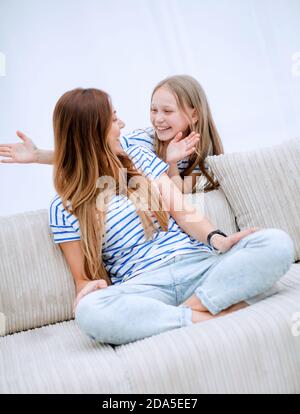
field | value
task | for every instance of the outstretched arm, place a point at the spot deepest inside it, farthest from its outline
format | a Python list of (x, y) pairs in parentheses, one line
[(25, 152)]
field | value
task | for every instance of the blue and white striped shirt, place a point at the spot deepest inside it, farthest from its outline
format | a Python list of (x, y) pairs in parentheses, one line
[(125, 250), (146, 137)]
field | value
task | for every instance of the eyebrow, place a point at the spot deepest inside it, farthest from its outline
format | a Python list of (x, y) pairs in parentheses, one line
[(164, 106)]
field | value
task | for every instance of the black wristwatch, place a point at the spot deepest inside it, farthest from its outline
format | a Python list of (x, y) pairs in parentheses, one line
[(209, 236)]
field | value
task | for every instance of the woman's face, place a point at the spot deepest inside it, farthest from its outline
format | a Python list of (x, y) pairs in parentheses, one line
[(166, 117), (113, 136)]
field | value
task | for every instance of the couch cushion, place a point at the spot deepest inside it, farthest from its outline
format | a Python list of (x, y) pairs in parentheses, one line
[(36, 285), (216, 208), (249, 351), (59, 359), (263, 187)]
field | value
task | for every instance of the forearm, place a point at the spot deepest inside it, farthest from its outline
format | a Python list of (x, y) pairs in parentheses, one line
[(80, 284), (44, 156), (196, 226), (74, 255), (186, 185), (185, 214)]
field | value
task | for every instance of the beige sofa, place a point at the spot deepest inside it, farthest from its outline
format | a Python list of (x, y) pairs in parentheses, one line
[(254, 350)]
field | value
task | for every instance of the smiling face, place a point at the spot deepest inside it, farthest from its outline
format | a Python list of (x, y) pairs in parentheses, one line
[(167, 117), (113, 136)]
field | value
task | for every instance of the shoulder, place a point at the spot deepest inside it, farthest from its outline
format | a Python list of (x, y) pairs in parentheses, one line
[(140, 152), (143, 136), (64, 225), (56, 211)]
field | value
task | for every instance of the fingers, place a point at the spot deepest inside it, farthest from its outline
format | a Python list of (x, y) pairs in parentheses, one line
[(5, 153), (99, 284), (178, 137), (22, 136), (7, 147), (192, 136), (7, 161), (102, 283), (191, 151), (240, 235), (192, 140), (250, 230), (82, 293)]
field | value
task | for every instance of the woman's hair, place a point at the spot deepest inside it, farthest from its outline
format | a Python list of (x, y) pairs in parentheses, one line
[(190, 94), (82, 119)]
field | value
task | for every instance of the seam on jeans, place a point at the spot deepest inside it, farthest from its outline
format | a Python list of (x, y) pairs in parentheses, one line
[(174, 284)]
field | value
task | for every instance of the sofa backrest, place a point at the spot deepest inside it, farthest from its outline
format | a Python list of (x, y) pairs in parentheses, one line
[(36, 284), (263, 187), (216, 208)]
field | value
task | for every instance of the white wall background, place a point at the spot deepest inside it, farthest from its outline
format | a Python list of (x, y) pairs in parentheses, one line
[(244, 52)]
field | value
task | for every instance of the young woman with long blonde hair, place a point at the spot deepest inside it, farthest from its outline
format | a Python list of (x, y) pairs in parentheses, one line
[(142, 265)]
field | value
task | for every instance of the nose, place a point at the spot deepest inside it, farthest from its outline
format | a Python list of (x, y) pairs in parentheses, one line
[(121, 123), (159, 118)]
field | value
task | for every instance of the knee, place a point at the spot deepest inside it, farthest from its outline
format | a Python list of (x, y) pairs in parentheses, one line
[(83, 313), (88, 317), (279, 245), (96, 317)]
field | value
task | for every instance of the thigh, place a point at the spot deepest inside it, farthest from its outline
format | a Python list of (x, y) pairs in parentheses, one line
[(156, 283)]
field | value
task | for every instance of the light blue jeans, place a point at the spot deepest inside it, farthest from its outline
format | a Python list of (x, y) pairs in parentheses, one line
[(149, 303)]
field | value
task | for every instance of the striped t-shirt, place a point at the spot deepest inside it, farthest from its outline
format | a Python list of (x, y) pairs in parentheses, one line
[(125, 250), (146, 137)]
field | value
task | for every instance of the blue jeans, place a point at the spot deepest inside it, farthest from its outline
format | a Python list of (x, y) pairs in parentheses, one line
[(149, 303)]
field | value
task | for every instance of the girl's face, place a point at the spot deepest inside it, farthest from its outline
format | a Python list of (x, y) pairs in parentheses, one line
[(166, 117), (113, 136)]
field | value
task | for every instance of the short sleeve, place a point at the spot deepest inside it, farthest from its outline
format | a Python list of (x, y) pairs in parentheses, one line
[(64, 225), (139, 137), (146, 161)]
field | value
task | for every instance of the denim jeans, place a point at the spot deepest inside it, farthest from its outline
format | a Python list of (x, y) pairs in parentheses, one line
[(149, 303)]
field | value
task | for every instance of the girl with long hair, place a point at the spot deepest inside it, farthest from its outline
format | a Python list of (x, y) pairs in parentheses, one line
[(143, 260)]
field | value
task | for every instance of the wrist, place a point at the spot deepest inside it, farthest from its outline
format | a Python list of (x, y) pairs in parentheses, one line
[(37, 155), (173, 168), (80, 285), (215, 239)]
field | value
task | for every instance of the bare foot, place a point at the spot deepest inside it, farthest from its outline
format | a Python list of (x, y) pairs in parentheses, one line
[(195, 304), (201, 316)]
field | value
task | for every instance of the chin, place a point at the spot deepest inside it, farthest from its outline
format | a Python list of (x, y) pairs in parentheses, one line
[(164, 137)]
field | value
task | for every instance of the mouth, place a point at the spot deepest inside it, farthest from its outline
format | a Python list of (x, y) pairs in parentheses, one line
[(162, 129)]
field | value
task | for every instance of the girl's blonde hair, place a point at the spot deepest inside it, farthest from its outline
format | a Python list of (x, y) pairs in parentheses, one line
[(190, 94), (82, 119)]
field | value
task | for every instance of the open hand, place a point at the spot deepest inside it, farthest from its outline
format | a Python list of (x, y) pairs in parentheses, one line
[(21, 152), (179, 148), (225, 243)]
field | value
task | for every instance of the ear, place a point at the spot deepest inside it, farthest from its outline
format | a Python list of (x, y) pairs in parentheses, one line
[(194, 116)]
